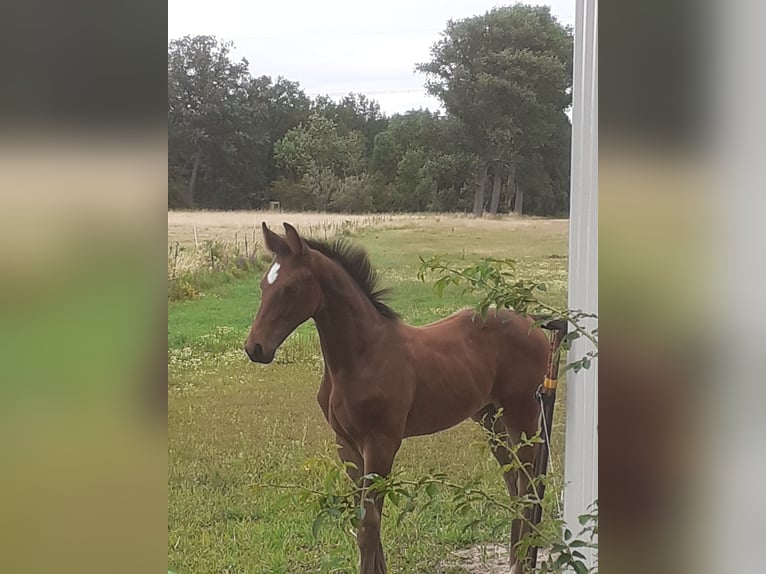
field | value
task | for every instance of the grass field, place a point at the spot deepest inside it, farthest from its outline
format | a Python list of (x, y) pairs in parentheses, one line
[(234, 425)]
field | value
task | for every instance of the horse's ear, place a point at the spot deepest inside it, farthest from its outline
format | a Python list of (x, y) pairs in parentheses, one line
[(296, 243), (274, 242)]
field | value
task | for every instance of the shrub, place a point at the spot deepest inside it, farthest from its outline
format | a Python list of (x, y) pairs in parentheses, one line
[(215, 263), (355, 195)]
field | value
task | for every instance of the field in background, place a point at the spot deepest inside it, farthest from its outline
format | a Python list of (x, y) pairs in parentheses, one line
[(225, 225), (233, 425)]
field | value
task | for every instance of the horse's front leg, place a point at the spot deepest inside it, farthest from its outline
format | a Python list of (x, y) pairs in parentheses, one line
[(378, 459)]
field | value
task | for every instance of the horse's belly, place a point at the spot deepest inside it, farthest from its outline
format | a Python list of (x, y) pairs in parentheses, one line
[(453, 381), (439, 412)]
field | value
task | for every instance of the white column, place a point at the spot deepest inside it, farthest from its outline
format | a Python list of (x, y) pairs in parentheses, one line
[(581, 460)]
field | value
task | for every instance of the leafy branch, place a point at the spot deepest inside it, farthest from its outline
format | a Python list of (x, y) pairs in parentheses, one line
[(496, 283), (341, 504)]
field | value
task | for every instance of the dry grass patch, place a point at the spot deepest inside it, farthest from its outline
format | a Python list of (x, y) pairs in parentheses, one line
[(226, 225)]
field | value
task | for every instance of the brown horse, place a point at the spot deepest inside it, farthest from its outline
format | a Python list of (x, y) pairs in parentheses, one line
[(385, 380)]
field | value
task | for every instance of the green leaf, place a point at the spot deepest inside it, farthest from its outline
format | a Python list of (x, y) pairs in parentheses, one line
[(316, 525)]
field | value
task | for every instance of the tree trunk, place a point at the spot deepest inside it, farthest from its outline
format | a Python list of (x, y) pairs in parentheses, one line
[(193, 179), (478, 198), (518, 205), (505, 192), (497, 181), (510, 185)]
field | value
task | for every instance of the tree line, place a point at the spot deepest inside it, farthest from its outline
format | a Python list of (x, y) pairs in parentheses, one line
[(237, 141)]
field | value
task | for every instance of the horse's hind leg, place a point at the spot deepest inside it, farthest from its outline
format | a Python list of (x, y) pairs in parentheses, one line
[(523, 418), (501, 441), (492, 422)]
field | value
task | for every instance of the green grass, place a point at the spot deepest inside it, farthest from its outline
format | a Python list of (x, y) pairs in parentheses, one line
[(233, 425)]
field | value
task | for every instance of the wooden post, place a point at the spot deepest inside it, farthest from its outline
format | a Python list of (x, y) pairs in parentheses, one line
[(547, 395)]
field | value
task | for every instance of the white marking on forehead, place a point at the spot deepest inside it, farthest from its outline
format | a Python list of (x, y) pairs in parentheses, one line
[(273, 273)]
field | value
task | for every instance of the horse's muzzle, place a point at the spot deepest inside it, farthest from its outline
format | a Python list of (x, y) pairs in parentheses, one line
[(257, 355)]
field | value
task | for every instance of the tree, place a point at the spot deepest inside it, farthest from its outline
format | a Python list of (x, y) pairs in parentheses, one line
[(236, 141), (542, 182), (207, 93), (318, 156), (278, 106), (506, 75), (355, 112), (222, 125), (422, 157)]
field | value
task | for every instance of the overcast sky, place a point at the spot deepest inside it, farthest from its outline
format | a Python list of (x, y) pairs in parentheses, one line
[(335, 47)]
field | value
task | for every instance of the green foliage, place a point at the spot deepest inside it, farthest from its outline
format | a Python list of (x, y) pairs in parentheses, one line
[(356, 195), (212, 264), (327, 164), (339, 505), (225, 122), (354, 113), (182, 289), (566, 552), (319, 145), (495, 283), (238, 141), (292, 195), (544, 173), (422, 156), (506, 75)]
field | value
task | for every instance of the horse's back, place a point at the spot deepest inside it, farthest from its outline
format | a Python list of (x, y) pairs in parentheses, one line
[(501, 330), (469, 361)]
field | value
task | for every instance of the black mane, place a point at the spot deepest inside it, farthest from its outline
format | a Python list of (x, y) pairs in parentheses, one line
[(356, 262)]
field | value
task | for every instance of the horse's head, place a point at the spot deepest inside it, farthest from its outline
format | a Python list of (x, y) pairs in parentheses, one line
[(290, 294)]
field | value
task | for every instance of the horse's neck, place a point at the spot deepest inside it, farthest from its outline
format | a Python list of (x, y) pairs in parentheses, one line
[(347, 321)]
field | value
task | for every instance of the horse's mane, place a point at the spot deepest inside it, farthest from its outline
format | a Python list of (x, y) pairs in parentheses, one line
[(356, 262)]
